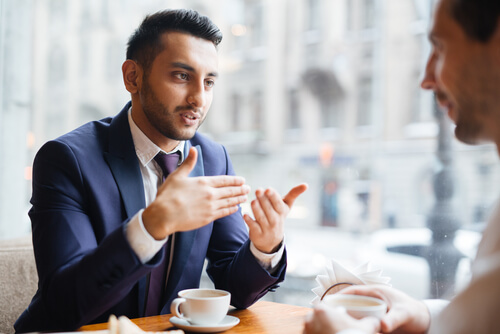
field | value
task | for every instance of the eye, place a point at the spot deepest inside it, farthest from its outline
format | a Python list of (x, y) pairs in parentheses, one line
[(437, 47), (182, 76), (209, 83)]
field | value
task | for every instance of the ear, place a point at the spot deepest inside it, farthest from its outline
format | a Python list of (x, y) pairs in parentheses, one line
[(496, 32), (494, 42), (132, 76)]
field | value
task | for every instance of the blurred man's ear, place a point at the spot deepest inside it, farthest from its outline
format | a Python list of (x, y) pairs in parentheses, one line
[(132, 76), (495, 39)]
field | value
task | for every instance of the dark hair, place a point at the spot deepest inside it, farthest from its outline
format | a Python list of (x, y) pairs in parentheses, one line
[(145, 43), (478, 18)]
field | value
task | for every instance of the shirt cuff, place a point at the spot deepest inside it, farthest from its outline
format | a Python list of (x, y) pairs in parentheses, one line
[(143, 244), (435, 306), (268, 261), (351, 331)]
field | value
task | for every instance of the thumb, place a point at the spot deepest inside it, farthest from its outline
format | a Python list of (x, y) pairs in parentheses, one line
[(188, 164), (372, 324), (292, 195), (393, 319)]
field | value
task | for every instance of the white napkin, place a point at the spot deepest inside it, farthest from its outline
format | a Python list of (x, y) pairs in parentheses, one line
[(363, 274), (123, 325)]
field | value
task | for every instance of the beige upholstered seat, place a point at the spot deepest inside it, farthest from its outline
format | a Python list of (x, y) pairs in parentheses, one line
[(18, 280)]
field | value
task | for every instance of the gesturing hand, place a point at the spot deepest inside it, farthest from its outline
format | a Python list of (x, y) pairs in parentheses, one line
[(185, 203), (266, 231)]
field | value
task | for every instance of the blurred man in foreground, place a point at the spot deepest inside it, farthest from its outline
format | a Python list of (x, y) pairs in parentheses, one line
[(463, 70)]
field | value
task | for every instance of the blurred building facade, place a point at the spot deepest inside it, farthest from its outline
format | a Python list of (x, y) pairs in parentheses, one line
[(327, 91)]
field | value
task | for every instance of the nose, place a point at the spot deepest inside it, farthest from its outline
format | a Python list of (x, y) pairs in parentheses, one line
[(196, 96), (429, 80)]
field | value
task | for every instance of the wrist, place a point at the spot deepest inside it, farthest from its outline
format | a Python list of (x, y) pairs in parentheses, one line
[(153, 223), (277, 247)]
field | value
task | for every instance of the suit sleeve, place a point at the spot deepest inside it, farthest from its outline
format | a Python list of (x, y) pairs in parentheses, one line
[(83, 270), (232, 266)]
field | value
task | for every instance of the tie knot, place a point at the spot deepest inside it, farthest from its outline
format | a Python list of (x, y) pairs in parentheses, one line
[(167, 162)]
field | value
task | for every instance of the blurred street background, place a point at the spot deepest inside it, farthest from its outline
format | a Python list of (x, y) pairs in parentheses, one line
[(318, 91)]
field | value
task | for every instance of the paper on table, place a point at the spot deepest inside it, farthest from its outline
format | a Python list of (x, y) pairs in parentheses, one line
[(123, 325), (363, 274)]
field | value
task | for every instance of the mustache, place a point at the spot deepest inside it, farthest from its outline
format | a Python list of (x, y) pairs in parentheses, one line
[(188, 108), (440, 96)]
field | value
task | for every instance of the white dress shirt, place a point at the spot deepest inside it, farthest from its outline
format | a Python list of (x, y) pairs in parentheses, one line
[(143, 244)]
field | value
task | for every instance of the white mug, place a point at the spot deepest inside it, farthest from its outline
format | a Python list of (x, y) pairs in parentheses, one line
[(201, 306), (357, 306)]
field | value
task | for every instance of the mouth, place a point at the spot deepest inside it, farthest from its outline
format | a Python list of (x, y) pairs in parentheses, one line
[(447, 105), (443, 100), (190, 117)]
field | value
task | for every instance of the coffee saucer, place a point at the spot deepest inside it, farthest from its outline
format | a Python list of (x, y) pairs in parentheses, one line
[(228, 322)]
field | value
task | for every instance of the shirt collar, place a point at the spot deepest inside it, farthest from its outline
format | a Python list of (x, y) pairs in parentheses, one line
[(145, 149)]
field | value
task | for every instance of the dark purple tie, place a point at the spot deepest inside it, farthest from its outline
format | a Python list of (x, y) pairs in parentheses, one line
[(168, 163)]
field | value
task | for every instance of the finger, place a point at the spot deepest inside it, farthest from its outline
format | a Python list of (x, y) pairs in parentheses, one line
[(221, 181), (309, 316), (252, 224), (224, 212), (372, 324), (230, 191), (267, 207), (363, 290), (188, 164), (292, 195), (258, 212), (394, 319), (276, 201), (229, 202), (308, 321)]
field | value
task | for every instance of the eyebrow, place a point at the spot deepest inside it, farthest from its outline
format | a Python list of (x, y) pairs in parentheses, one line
[(191, 69)]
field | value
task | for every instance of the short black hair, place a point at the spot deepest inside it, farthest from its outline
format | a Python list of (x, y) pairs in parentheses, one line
[(478, 18), (145, 43)]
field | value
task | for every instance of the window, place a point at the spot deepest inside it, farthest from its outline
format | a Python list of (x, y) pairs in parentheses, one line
[(362, 204), (314, 18), (368, 15), (293, 107), (329, 114), (361, 14), (255, 22), (235, 111), (258, 117), (365, 102)]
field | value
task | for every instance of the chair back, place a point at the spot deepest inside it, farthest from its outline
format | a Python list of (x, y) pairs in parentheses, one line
[(18, 280)]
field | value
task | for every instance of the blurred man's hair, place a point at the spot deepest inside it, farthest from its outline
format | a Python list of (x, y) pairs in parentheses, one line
[(145, 43), (478, 18)]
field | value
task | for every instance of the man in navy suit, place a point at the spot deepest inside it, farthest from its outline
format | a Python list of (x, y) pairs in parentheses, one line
[(103, 218)]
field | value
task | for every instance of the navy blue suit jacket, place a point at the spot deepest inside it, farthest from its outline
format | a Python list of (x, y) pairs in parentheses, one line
[(86, 185)]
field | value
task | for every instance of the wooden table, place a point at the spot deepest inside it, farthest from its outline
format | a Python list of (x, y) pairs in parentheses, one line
[(262, 317)]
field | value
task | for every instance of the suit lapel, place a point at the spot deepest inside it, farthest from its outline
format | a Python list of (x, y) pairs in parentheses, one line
[(124, 165), (123, 162)]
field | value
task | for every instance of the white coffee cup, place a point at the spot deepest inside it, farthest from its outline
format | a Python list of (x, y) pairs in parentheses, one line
[(357, 306), (201, 306)]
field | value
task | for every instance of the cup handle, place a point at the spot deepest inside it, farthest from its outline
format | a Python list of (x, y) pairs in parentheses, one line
[(175, 308)]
